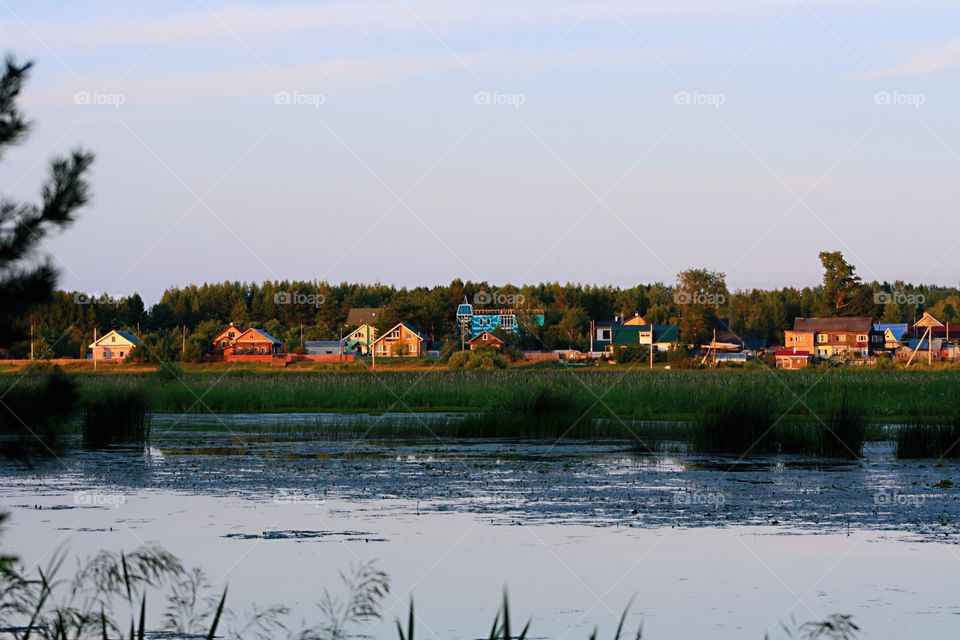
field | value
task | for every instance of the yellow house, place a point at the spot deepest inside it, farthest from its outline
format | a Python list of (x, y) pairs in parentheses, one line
[(360, 339), (400, 341), (114, 346)]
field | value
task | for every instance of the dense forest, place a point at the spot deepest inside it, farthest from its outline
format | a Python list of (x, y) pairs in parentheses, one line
[(182, 323)]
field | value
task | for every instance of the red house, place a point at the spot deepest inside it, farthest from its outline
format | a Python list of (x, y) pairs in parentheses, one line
[(485, 339)]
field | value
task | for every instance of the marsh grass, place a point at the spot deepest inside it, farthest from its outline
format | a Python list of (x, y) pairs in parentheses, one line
[(739, 423), (929, 439), (124, 417), (889, 396), (843, 431), (35, 412)]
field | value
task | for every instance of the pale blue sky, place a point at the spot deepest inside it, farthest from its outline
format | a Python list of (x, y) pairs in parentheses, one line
[(592, 170)]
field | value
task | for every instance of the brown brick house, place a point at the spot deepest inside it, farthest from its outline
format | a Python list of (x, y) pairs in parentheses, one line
[(833, 337)]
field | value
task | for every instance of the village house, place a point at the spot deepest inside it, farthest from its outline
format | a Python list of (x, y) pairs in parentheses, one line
[(114, 346), (324, 347), (608, 335), (255, 341), (223, 341), (359, 340), (400, 341), (473, 321), (485, 339), (890, 335), (792, 359), (833, 337)]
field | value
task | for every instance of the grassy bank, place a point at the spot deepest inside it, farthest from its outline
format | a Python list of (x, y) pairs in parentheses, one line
[(884, 396)]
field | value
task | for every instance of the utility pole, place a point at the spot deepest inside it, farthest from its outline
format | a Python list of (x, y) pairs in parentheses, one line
[(31, 337), (94, 348), (652, 342), (183, 345)]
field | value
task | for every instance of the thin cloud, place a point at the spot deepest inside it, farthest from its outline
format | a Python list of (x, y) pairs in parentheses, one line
[(945, 57), (210, 21)]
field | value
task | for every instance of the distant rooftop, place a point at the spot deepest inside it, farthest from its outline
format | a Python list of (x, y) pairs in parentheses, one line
[(364, 315)]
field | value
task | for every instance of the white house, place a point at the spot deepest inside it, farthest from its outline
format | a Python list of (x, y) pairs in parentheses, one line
[(114, 346)]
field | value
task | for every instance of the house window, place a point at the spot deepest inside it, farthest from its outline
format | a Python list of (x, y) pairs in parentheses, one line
[(822, 337), (113, 338), (862, 338), (484, 337), (842, 338), (121, 354)]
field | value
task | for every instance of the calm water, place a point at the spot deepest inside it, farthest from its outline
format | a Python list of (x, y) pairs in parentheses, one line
[(704, 548)]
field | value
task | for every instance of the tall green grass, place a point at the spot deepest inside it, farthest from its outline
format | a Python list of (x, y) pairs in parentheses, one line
[(929, 439), (843, 431), (889, 396), (123, 418), (739, 423), (35, 411)]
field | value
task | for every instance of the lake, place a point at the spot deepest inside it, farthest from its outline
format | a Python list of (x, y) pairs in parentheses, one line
[(704, 547)]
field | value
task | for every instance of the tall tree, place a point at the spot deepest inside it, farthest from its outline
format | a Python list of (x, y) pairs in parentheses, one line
[(699, 294), (23, 282), (841, 284)]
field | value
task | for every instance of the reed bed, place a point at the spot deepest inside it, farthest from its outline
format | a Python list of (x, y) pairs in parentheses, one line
[(890, 396), (929, 439), (122, 418)]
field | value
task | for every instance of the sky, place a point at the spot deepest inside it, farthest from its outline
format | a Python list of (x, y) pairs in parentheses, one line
[(413, 142)]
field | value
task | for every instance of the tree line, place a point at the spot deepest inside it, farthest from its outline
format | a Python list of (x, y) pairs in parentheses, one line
[(183, 322)]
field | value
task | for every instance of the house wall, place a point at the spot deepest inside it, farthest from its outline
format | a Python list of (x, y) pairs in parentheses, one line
[(799, 340), (389, 346), (115, 352), (262, 346), (792, 362), (325, 350), (841, 343)]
